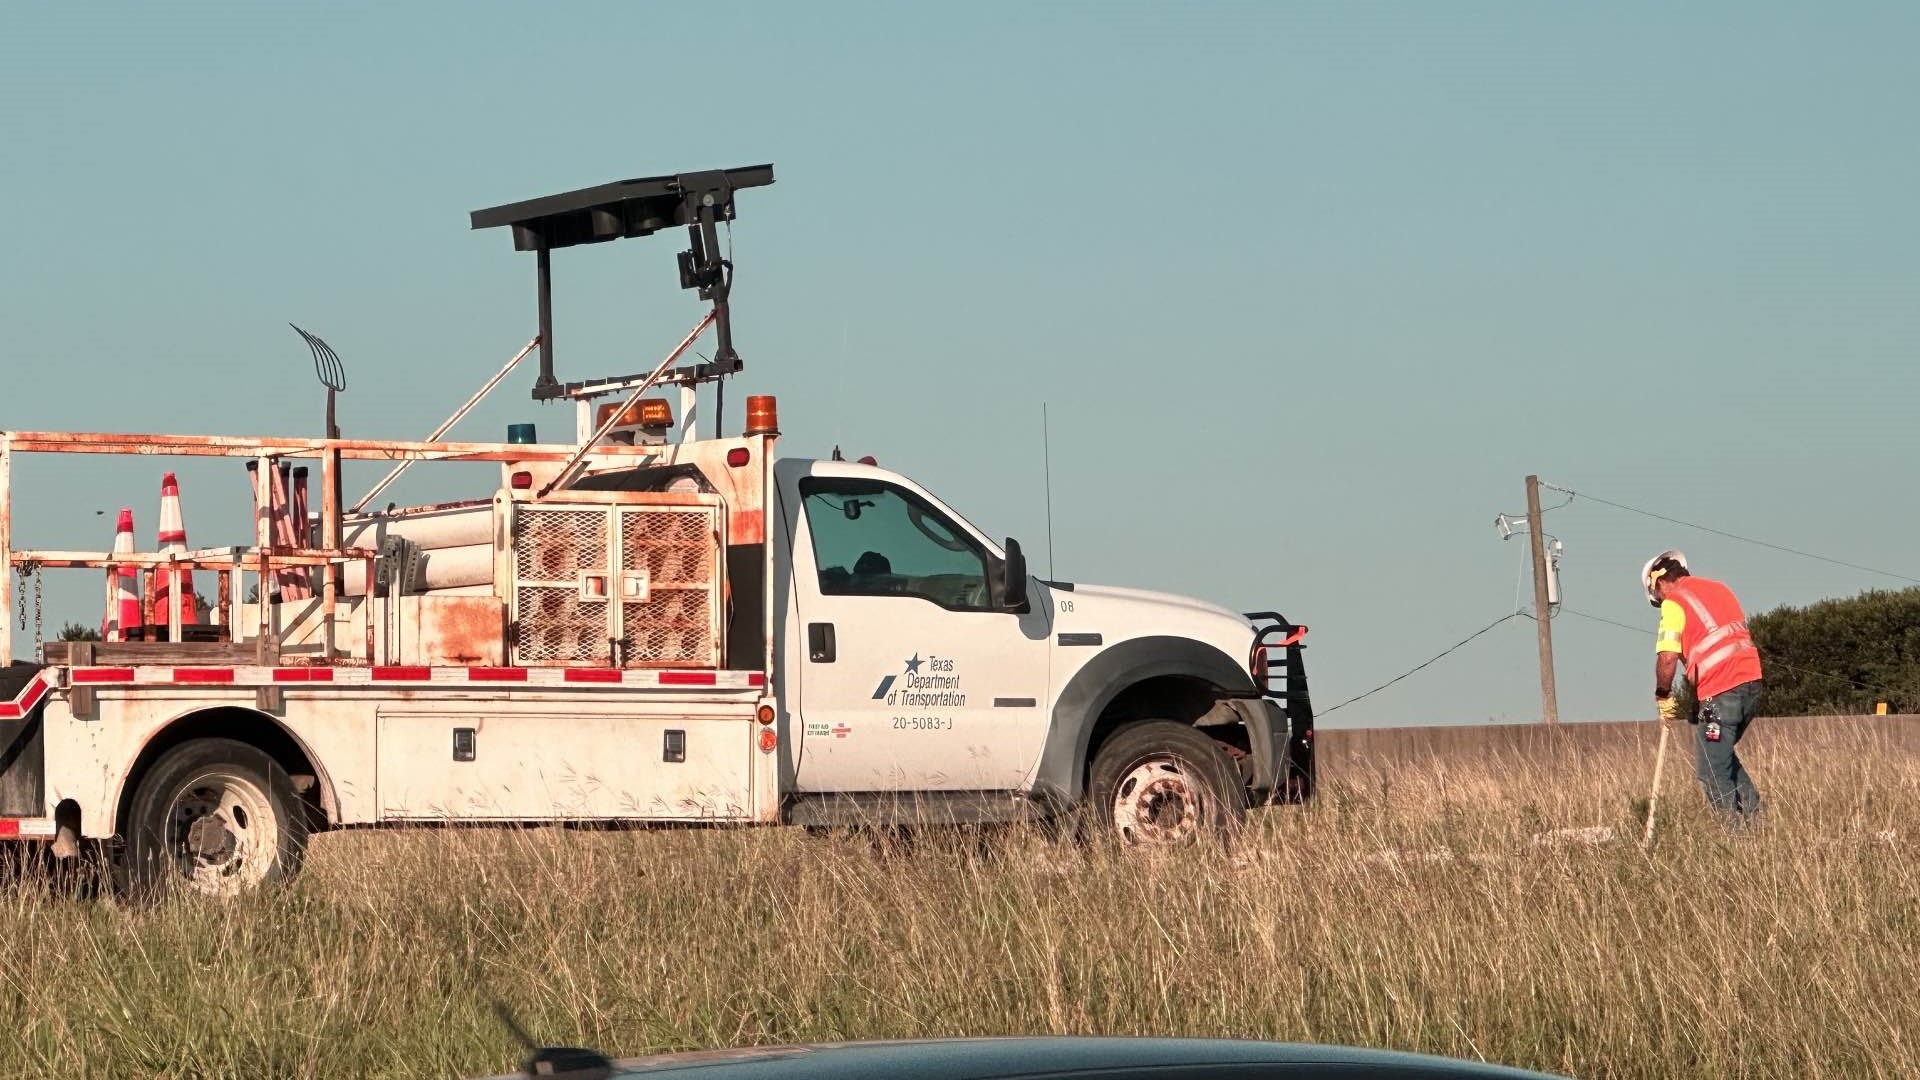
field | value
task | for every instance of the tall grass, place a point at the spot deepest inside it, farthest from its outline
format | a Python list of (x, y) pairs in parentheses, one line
[(1433, 911)]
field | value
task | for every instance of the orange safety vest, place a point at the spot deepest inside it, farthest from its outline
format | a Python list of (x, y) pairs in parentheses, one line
[(1719, 652)]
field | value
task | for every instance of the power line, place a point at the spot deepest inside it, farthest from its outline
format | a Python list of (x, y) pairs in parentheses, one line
[(1429, 662), (1572, 494), (1850, 680), (1598, 619)]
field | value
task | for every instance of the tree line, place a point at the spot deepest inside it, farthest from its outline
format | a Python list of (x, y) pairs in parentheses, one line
[(1841, 656)]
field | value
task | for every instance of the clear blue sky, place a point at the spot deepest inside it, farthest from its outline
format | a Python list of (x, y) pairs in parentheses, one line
[(1309, 289)]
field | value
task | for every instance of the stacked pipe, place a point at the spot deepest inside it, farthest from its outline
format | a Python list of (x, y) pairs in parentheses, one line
[(457, 542)]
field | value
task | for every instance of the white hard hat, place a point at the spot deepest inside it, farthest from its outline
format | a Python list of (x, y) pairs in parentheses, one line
[(1646, 572)]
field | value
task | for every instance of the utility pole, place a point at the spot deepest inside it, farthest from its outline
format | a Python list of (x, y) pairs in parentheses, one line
[(1542, 613)]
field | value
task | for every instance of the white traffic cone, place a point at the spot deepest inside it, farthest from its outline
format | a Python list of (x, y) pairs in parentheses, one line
[(173, 538), (123, 604)]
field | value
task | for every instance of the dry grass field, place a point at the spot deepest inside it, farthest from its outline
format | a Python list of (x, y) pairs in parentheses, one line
[(1431, 908)]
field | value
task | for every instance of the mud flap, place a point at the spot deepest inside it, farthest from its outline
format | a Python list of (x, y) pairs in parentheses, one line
[(22, 767), (1266, 728)]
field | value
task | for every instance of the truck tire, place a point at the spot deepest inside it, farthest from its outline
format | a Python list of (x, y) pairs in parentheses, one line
[(1162, 784), (215, 817)]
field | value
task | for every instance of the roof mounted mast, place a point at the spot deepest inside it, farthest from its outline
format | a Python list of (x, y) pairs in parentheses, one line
[(701, 201)]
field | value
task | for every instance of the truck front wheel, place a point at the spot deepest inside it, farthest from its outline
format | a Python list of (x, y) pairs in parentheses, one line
[(215, 816), (1161, 784)]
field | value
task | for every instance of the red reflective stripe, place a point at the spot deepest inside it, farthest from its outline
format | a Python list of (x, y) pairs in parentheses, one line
[(196, 676), (756, 679), (592, 675), (402, 674), (497, 674), (102, 675), (24, 704), (688, 678), (292, 674), (9, 828)]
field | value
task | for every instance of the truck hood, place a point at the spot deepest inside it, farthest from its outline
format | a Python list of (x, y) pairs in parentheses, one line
[(1119, 613)]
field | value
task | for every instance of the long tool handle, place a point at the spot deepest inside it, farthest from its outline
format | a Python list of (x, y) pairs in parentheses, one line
[(1653, 796)]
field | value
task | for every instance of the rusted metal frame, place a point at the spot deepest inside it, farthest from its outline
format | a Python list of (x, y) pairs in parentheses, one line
[(368, 608), (591, 445), (263, 540), (174, 603), (616, 602), (235, 446), (223, 613), (330, 539), (221, 559), (113, 592), (769, 560), (717, 605), (638, 498), (458, 414), (6, 549)]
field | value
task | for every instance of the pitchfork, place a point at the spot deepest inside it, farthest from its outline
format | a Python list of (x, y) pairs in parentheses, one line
[(332, 374)]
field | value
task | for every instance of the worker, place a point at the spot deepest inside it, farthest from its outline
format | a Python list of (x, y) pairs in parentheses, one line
[(1702, 624)]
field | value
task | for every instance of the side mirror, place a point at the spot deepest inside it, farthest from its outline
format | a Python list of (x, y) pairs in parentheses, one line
[(1013, 587)]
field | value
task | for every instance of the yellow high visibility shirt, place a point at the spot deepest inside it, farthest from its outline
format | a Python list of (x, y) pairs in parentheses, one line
[(1673, 622)]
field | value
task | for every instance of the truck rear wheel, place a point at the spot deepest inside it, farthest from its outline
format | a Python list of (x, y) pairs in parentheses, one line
[(215, 817), (1163, 784)]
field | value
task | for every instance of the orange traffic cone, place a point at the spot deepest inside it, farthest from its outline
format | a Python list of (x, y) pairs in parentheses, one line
[(173, 538), (123, 602)]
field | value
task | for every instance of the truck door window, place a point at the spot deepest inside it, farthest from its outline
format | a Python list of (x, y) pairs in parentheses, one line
[(873, 539)]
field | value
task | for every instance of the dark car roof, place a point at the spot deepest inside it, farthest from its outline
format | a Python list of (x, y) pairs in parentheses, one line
[(1001, 1059)]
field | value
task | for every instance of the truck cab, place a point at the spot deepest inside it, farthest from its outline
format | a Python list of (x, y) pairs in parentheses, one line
[(918, 654)]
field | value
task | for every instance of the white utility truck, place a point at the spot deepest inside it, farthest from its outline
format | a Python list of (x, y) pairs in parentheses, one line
[(641, 624)]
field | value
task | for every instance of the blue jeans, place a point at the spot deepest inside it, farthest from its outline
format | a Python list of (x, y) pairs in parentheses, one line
[(1725, 780)]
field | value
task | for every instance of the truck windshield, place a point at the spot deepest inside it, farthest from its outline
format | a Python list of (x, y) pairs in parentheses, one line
[(873, 539)]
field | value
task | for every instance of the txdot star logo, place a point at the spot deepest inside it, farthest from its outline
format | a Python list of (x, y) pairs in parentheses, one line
[(912, 668)]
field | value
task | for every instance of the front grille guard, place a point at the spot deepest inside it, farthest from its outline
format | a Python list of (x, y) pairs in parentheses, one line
[(1278, 641)]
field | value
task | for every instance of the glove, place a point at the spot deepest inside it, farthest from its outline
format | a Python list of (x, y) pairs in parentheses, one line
[(1669, 709)]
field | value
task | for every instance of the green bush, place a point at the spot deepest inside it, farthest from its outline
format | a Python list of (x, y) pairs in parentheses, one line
[(1841, 656)]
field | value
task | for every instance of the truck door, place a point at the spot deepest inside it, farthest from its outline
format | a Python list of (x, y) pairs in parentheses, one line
[(910, 677)]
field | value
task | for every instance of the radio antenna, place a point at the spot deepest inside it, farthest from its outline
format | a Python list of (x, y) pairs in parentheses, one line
[(1046, 468)]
